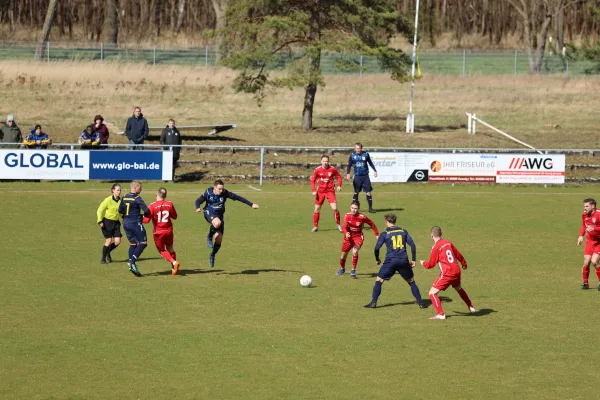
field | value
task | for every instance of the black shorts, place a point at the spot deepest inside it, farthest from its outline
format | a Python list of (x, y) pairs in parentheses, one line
[(389, 268), (362, 182), (111, 229), (209, 216), (136, 233)]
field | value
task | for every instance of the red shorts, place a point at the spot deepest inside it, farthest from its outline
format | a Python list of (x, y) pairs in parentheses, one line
[(321, 196), (444, 282), (591, 247), (163, 239), (348, 244)]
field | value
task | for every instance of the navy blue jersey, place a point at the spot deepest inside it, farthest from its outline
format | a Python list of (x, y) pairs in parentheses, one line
[(361, 163), (396, 239), (133, 209), (216, 203)]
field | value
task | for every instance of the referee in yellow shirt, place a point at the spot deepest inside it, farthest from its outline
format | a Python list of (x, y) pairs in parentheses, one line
[(109, 221)]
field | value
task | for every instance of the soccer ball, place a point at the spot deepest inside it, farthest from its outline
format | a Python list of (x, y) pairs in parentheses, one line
[(306, 281)]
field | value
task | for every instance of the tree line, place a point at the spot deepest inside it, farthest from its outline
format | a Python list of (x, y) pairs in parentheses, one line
[(113, 21)]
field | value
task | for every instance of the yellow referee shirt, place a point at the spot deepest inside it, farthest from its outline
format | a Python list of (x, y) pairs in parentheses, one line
[(108, 209)]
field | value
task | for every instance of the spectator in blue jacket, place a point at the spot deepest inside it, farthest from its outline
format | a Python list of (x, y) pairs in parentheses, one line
[(137, 129), (89, 139), (37, 139)]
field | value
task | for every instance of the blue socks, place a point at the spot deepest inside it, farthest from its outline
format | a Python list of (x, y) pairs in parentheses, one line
[(216, 248), (138, 250), (370, 201), (131, 251), (377, 291), (355, 197), (415, 291)]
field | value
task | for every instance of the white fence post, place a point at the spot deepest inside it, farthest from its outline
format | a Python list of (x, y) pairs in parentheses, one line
[(262, 161)]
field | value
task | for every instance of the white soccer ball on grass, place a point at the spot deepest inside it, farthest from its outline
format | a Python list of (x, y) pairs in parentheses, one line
[(306, 281)]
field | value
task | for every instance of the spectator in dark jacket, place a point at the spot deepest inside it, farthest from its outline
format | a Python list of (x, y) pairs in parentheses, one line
[(102, 131), (37, 139), (89, 138), (137, 129), (10, 133), (170, 136)]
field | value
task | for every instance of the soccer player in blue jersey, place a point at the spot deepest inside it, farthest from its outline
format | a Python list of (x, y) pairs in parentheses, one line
[(214, 210), (133, 209), (396, 259), (361, 160)]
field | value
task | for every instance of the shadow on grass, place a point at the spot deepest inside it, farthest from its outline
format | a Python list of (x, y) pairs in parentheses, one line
[(184, 272), (380, 210), (141, 260), (478, 313), (369, 118), (435, 128), (190, 176), (257, 271), (427, 302)]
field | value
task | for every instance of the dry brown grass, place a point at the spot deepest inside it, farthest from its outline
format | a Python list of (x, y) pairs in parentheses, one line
[(547, 112)]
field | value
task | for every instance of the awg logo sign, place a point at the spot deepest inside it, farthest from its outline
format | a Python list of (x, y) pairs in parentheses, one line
[(531, 163)]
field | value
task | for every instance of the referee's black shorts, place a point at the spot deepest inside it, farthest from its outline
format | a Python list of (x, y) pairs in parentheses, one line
[(111, 229)]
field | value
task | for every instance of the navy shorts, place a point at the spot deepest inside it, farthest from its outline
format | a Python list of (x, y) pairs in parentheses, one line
[(209, 216), (389, 268), (136, 233), (362, 182)]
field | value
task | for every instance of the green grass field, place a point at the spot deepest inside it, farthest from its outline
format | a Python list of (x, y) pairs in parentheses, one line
[(74, 329)]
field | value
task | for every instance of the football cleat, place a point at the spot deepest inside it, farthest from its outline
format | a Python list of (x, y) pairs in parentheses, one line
[(353, 273), (372, 304), (341, 271), (339, 227), (134, 270), (211, 260), (438, 316), (472, 309), (209, 241), (314, 229), (599, 287), (102, 262), (422, 305), (175, 269), (372, 211), (585, 286)]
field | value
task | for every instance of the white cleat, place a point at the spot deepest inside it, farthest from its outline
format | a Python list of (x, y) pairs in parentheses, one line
[(438, 316), (339, 228), (314, 229), (472, 309)]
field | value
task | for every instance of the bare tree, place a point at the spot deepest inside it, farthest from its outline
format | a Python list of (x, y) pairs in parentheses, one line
[(111, 22), (50, 13), (180, 15)]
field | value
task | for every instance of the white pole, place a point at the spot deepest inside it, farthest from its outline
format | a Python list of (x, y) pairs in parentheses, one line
[(262, 161), (410, 119)]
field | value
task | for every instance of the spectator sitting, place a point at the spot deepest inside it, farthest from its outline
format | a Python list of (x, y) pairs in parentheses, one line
[(102, 130), (171, 136), (89, 139), (10, 133), (37, 139)]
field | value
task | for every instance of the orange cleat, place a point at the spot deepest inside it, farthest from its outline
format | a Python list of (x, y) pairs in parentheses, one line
[(175, 269)]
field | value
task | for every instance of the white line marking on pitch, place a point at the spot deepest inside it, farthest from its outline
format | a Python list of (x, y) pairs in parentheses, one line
[(256, 189)]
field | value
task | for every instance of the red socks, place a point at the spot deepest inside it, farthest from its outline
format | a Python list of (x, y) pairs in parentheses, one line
[(435, 301), (465, 297), (316, 219), (342, 263), (585, 272), (354, 261), (598, 273), (167, 256), (337, 217), (174, 255)]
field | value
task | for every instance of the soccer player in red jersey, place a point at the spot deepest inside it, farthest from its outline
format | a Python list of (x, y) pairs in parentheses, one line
[(162, 212), (590, 228), (447, 257), (324, 176), (352, 228)]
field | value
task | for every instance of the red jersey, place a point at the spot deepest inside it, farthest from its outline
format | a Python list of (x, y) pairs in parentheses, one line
[(447, 256), (593, 220), (325, 179), (355, 223), (161, 213)]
